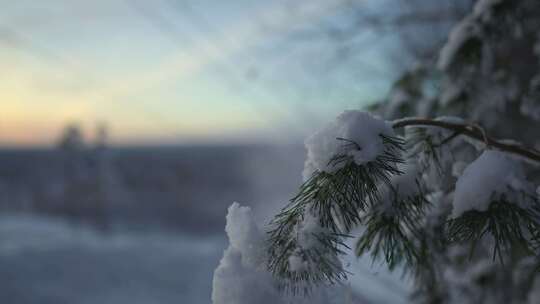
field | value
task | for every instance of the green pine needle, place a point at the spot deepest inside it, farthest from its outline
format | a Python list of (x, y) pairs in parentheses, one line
[(509, 225), (392, 232), (336, 200)]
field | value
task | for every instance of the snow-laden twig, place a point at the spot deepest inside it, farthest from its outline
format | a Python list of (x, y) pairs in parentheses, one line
[(472, 131)]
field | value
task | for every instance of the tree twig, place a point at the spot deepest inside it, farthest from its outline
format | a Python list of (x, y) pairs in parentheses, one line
[(472, 131)]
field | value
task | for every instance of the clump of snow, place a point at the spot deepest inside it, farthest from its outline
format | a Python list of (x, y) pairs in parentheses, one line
[(245, 237), (359, 127), (297, 263), (308, 233), (461, 33), (242, 276), (488, 177)]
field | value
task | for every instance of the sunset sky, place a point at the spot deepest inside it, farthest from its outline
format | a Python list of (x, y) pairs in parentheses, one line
[(171, 71)]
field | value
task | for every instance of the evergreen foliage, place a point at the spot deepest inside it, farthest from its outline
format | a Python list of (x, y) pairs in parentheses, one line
[(335, 198), (487, 73)]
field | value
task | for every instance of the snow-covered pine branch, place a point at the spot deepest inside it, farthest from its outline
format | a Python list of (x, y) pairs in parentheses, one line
[(473, 131), (452, 203), (348, 163), (359, 173)]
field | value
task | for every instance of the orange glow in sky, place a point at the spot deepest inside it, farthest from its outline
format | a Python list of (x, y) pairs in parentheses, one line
[(152, 72)]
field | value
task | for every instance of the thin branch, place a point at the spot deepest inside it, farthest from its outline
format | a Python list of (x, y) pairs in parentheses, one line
[(449, 138), (472, 131)]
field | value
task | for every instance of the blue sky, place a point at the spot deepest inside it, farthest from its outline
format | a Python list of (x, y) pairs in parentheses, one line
[(169, 71)]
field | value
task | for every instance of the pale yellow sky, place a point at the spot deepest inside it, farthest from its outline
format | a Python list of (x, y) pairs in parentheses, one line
[(113, 61)]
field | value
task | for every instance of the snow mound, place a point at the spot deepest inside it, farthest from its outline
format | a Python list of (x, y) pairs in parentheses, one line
[(350, 128), (490, 176), (242, 277)]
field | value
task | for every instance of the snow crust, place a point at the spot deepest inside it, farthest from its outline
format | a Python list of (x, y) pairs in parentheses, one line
[(360, 127), (488, 177)]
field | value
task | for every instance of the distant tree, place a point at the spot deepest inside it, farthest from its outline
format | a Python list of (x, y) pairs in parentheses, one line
[(72, 138), (87, 175), (102, 136)]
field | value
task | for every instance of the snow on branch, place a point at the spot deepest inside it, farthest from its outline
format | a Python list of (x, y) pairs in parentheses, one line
[(241, 276), (493, 197), (349, 163), (359, 172), (472, 131)]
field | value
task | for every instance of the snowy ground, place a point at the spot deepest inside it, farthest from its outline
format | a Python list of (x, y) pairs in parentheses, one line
[(172, 228), (50, 261)]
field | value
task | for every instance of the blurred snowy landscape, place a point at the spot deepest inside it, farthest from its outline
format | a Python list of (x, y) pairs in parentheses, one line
[(49, 261), (155, 233), (145, 147)]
